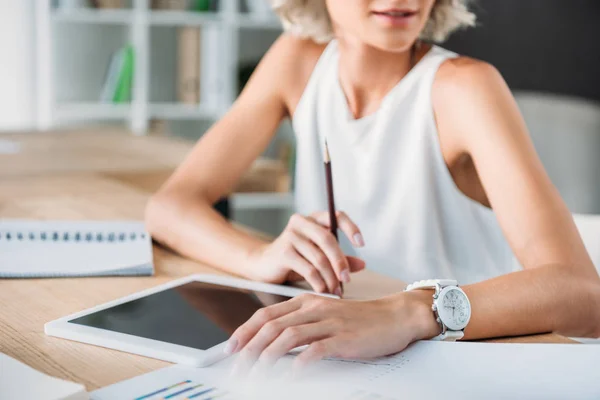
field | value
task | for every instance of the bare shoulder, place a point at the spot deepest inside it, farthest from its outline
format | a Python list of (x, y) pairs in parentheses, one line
[(467, 93), (298, 56), (292, 61), (465, 76)]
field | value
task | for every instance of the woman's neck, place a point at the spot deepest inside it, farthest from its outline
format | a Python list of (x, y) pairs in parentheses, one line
[(367, 74)]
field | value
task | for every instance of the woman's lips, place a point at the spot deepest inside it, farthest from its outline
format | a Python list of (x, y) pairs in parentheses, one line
[(395, 17)]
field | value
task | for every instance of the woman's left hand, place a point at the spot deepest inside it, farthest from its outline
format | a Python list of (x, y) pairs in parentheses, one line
[(333, 328)]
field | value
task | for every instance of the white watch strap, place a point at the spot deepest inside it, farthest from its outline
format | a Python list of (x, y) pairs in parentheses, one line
[(431, 283), (449, 336)]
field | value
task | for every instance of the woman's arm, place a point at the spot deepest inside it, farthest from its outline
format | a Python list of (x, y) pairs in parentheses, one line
[(181, 215), (558, 290)]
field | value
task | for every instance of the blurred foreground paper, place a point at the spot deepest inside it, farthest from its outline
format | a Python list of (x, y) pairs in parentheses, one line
[(425, 370), (20, 381)]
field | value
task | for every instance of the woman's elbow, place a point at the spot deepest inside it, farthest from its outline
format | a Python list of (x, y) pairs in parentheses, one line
[(589, 318), (157, 215), (595, 300), (591, 283)]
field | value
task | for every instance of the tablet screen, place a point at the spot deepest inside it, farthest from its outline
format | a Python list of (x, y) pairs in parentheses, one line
[(197, 314)]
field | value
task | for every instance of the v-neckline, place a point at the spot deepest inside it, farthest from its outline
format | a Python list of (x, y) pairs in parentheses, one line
[(367, 119)]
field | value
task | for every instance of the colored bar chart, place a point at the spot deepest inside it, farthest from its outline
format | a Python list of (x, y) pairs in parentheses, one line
[(185, 390), (159, 391)]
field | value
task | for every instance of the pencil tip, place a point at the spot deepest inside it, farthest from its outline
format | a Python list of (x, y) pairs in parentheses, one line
[(327, 158)]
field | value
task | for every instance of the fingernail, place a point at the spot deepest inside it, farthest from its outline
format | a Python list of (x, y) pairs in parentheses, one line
[(338, 291), (345, 275), (230, 346), (358, 240)]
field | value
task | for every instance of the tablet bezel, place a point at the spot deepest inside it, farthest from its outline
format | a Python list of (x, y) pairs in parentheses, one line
[(62, 328)]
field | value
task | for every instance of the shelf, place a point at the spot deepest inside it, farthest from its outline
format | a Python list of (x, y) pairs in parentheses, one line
[(220, 43), (256, 201), (181, 111), (162, 18), (182, 18), (248, 21), (80, 111), (93, 16)]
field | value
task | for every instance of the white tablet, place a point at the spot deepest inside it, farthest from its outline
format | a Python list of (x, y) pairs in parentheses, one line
[(185, 321)]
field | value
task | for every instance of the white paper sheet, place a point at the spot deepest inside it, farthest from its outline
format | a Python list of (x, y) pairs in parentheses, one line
[(481, 371), (426, 370), (20, 381)]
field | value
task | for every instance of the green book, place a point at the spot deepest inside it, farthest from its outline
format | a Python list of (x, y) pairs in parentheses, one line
[(125, 81), (201, 5)]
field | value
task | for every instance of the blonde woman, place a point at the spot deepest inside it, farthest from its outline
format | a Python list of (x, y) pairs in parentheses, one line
[(435, 173)]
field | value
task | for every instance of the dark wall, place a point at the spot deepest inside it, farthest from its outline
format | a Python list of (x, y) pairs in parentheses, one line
[(541, 45)]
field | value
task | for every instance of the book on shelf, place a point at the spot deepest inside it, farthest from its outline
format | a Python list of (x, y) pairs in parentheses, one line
[(68, 5), (125, 82), (170, 4), (112, 76), (188, 65), (212, 76), (214, 5), (118, 81), (191, 5), (109, 3)]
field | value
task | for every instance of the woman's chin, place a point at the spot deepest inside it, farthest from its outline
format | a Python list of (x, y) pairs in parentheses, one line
[(395, 43)]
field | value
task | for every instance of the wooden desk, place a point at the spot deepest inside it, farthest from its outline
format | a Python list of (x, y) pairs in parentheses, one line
[(91, 151), (25, 305)]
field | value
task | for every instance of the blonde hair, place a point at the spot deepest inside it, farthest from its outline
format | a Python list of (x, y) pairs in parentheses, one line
[(310, 19)]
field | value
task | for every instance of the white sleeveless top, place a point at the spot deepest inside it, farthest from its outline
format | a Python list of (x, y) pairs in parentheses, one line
[(391, 179)]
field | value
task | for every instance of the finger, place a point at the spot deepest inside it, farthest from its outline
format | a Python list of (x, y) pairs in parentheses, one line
[(269, 333), (345, 224), (319, 260), (293, 276), (356, 264), (327, 243), (312, 275), (242, 335), (316, 351), (295, 336)]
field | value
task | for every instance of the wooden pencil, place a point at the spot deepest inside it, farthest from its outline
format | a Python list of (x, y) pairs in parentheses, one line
[(333, 226)]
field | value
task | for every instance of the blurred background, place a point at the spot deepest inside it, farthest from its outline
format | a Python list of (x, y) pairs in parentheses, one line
[(170, 68)]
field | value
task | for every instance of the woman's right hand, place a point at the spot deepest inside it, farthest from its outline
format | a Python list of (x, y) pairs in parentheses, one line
[(308, 250)]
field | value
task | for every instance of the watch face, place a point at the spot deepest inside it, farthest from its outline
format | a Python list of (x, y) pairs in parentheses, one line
[(454, 308)]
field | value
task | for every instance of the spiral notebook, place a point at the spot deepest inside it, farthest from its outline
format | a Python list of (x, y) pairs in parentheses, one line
[(44, 249)]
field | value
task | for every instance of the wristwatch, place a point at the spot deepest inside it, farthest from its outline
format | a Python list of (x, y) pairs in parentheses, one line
[(451, 306)]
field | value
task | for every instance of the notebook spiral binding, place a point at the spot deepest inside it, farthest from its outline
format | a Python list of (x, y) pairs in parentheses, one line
[(77, 236), (57, 249), (138, 270)]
